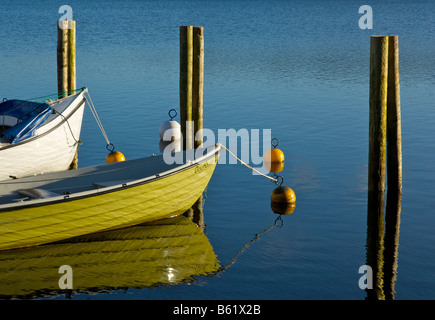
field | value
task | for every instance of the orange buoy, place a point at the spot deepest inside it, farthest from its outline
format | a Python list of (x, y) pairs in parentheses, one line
[(283, 194), (274, 167), (283, 200), (274, 155), (115, 156), (274, 158)]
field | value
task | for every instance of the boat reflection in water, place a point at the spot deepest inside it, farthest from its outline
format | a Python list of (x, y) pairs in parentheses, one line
[(168, 251), (383, 243)]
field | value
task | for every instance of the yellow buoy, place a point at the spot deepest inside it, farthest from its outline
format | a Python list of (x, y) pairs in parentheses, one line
[(274, 155), (274, 166), (274, 158), (283, 194), (115, 156), (283, 200)]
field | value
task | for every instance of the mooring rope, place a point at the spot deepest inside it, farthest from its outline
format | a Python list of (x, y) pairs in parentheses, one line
[(247, 165), (97, 119), (246, 245), (55, 95)]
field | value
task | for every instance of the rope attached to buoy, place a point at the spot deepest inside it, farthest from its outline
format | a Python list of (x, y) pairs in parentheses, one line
[(247, 165), (113, 156), (97, 119)]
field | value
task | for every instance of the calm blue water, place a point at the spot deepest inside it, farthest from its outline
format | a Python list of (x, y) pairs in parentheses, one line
[(299, 68)]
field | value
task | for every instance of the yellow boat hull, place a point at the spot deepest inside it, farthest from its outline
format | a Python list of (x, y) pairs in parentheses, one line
[(167, 196), (165, 252)]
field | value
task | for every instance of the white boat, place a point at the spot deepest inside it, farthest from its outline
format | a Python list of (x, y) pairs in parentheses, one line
[(39, 137)]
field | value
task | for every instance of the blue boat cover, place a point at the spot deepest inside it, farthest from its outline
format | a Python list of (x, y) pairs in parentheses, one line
[(30, 116)]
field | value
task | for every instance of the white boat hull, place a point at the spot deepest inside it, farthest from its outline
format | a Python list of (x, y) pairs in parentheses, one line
[(52, 149)]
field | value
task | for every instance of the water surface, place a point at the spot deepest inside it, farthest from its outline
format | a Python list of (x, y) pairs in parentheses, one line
[(299, 68)]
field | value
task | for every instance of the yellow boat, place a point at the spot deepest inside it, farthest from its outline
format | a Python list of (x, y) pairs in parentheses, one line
[(164, 252), (56, 206)]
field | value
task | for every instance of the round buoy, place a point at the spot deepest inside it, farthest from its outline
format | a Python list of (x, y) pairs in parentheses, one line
[(274, 167), (170, 130), (283, 194), (274, 155), (115, 156), (274, 158), (283, 200)]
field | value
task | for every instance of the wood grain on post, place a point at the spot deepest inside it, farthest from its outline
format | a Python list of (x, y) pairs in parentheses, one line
[(186, 81), (71, 56), (198, 84), (378, 112), (62, 57), (394, 131)]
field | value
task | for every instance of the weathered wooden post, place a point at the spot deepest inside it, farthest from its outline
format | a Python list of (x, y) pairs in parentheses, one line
[(394, 131), (385, 142), (394, 168), (66, 57), (198, 84), (385, 149), (378, 112), (186, 82), (191, 85), (66, 63), (72, 56), (62, 57)]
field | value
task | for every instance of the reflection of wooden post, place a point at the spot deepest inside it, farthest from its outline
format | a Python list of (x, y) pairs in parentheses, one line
[(394, 139), (375, 242), (198, 84), (392, 226), (378, 112), (198, 214), (186, 70), (189, 213)]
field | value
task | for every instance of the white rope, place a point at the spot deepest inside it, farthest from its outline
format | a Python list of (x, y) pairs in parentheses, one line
[(97, 118), (247, 165)]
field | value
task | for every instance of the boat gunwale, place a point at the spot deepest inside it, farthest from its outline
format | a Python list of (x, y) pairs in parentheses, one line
[(62, 121), (25, 204)]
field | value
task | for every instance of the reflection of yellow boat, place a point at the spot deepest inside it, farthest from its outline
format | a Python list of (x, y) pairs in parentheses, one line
[(56, 206), (168, 251)]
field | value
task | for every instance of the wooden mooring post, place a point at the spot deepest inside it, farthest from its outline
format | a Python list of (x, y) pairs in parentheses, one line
[(378, 112), (66, 56), (385, 148), (385, 159), (394, 128), (191, 85), (66, 63)]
